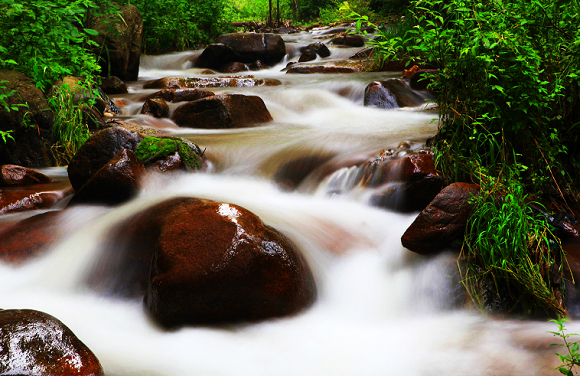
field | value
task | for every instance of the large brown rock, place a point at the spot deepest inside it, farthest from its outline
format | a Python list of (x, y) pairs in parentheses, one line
[(30, 126), (12, 176), (209, 82), (392, 93), (249, 47), (20, 200), (180, 95), (35, 343), (222, 111), (218, 263), (443, 221), (155, 107), (122, 36), (24, 240), (341, 66), (351, 40), (216, 55), (114, 183), (98, 151)]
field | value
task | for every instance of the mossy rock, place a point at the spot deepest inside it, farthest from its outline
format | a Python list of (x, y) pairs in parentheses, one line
[(155, 148)]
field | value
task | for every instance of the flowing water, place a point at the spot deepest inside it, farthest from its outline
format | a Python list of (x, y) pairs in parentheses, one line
[(381, 310)]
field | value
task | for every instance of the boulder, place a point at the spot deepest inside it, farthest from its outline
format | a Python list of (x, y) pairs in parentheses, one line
[(442, 222), (13, 201), (318, 48), (341, 66), (217, 263), (114, 183), (172, 162), (391, 93), (155, 107), (215, 56), (24, 240), (12, 176), (350, 40), (30, 126), (292, 173), (250, 47), (97, 151), (113, 85), (35, 343), (154, 149), (180, 95), (209, 82), (234, 67), (307, 55), (122, 36), (222, 111), (258, 65)]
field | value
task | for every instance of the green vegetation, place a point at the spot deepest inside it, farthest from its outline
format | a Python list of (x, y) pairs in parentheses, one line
[(154, 148), (572, 359)]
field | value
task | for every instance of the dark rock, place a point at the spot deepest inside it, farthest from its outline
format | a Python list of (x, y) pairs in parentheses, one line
[(180, 95), (31, 126), (218, 263), (92, 118), (307, 55), (363, 54), (216, 55), (419, 81), (318, 48), (29, 238), (153, 149), (170, 163), (234, 67), (113, 85), (391, 94), (13, 201), (155, 107), (222, 111), (35, 343), (122, 35), (97, 151), (343, 66), (12, 176), (351, 40), (258, 65), (208, 82), (292, 173), (442, 222), (250, 47), (116, 182)]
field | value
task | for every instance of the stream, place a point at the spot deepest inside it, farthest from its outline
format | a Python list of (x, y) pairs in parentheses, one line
[(381, 310)]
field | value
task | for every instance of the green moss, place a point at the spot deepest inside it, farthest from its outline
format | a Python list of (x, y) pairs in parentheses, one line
[(154, 148)]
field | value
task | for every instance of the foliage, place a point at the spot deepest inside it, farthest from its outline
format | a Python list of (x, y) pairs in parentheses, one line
[(45, 39), (254, 10), (154, 148), (6, 135), (513, 260), (573, 358), (175, 25), (70, 130)]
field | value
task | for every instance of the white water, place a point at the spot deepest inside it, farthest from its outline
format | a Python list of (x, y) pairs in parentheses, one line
[(381, 310)]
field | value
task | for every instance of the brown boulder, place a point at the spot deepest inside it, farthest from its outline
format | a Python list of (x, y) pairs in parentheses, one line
[(351, 40), (36, 343), (342, 66), (180, 95), (208, 82), (12, 176), (113, 85), (13, 201), (114, 183), (29, 238), (443, 221), (257, 65), (217, 263), (307, 55), (318, 48), (222, 111), (234, 67), (250, 47), (155, 107), (392, 93), (216, 55), (98, 151), (170, 163), (291, 174), (122, 35)]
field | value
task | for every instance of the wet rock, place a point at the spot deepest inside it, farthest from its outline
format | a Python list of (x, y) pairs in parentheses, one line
[(222, 111), (116, 182), (92, 118), (217, 263), (13, 201), (292, 173), (307, 55), (442, 222), (420, 80), (392, 93), (155, 107), (13, 176), (170, 163), (35, 343), (250, 47), (216, 55), (97, 151), (343, 66), (154, 149), (31, 144), (180, 95), (113, 85), (351, 40), (122, 35), (363, 54), (318, 48), (208, 82), (234, 67), (27, 239), (258, 65)]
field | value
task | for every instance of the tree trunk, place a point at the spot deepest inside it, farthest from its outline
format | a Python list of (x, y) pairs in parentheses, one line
[(270, 14), (278, 13)]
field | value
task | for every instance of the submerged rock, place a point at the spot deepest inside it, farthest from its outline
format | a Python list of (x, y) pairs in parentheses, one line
[(391, 93), (13, 175), (35, 343), (208, 82), (222, 111), (13, 201), (180, 95)]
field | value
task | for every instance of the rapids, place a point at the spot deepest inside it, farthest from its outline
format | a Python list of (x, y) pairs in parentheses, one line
[(381, 310)]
